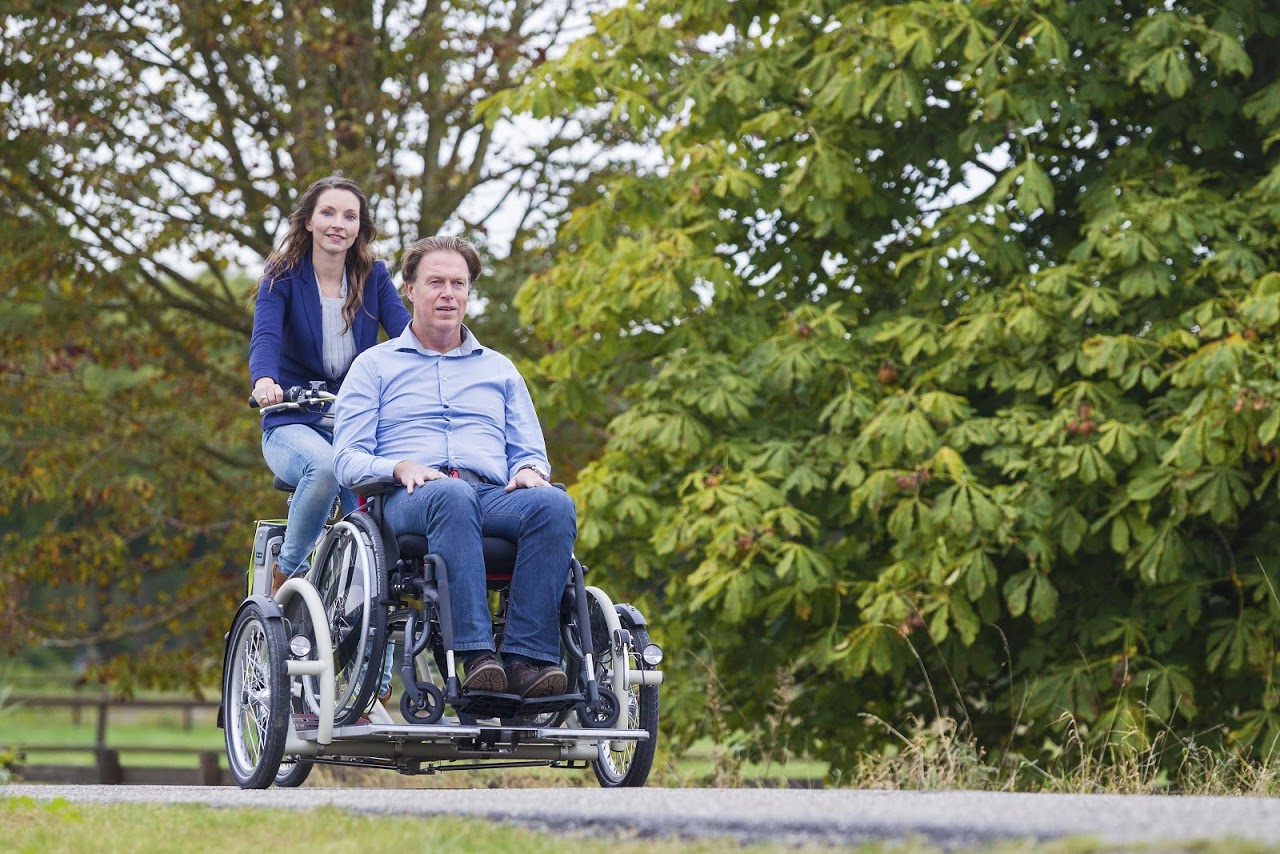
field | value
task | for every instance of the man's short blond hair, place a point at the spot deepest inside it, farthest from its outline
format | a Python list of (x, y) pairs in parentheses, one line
[(414, 254)]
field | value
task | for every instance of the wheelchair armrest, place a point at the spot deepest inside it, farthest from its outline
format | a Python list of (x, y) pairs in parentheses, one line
[(365, 488)]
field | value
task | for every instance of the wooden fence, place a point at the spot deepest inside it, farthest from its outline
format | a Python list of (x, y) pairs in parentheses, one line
[(107, 767)]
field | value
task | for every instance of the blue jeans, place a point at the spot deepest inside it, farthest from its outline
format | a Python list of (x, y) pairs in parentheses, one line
[(303, 455), (542, 522)]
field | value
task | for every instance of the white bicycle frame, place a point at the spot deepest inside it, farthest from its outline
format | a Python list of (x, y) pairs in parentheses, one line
[(322, 668), (621, 674)]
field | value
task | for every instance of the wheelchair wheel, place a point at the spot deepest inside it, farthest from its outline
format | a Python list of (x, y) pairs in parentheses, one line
[(629, 766), (294, 772), (255, 698), (350, 577)]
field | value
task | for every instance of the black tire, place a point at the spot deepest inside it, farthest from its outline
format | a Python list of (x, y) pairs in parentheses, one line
[(351, 577), (294, 772), (255, 697), (630, 766)]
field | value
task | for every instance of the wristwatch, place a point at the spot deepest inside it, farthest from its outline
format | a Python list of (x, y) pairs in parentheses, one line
[(537, 470)]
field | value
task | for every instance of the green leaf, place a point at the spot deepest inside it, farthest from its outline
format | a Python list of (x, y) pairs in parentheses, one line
[(1074, 527), (1226, 645), (869, 649), (1044, 599), (1016, 589), (1119, 535), (1035, 193)]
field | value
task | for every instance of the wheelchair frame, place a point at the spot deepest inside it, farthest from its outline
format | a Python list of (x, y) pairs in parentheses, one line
[(276, 664)]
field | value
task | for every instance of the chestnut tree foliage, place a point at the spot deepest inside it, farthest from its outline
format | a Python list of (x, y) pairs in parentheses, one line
[(940, 352), (151, 151)]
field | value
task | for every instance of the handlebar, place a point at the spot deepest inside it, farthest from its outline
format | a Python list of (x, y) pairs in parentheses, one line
[(298, 398)]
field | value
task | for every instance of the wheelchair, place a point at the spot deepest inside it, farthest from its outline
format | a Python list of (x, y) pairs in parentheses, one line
[(302, 670)]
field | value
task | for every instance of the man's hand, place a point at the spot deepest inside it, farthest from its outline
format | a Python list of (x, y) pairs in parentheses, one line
[(413, 474), (526, 479)]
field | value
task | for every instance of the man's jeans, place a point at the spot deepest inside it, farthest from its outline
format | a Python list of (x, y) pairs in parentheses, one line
[(303, 455), (454, 514)]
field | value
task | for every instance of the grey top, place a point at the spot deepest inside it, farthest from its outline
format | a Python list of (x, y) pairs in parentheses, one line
[(338, 347)]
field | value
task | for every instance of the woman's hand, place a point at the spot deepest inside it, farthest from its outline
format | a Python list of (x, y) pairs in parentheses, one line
[(267, 392)]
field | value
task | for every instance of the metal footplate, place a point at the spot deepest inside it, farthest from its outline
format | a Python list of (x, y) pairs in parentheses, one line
[(408, 744), (456, 732)]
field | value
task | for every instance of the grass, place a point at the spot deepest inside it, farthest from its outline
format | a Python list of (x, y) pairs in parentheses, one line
[(31, 725), (142, 828), (61, 826)]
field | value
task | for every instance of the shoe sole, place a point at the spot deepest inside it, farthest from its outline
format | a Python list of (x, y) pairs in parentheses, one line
[(547, 685), (490, 677)]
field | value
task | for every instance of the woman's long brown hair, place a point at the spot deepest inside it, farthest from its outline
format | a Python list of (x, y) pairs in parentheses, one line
[(298, 241)]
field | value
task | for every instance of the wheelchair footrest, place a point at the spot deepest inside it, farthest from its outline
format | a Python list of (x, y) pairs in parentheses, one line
[(487, 704)]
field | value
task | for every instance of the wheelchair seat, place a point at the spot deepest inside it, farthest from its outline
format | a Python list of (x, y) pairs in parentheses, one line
[(499, 556)]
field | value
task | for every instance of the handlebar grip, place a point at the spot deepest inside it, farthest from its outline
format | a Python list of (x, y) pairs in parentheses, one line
[(296, 397)]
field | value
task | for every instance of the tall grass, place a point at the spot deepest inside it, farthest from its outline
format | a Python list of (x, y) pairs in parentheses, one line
[(1140, 755), (940, 754)]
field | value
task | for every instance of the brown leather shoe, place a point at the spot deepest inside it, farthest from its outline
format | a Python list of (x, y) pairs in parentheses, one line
[(530, 680), (278, 578), (385, 697), (485, 673)]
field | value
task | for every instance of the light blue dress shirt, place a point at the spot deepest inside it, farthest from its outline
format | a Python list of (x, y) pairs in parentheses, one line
[(467, 409)]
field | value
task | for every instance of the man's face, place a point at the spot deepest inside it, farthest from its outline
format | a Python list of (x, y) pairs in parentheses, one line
[(439, 295)]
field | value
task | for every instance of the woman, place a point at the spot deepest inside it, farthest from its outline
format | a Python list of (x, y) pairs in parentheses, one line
[(320, 302)]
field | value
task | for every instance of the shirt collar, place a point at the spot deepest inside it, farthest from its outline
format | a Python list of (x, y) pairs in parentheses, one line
[(409, 341)]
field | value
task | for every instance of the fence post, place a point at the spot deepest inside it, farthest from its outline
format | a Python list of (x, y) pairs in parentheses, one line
[(210, 772), (100, 735), (109, 770)]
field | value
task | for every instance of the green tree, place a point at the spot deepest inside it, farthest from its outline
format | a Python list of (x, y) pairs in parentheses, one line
[(939, 348), (152, 151), (162, 137)]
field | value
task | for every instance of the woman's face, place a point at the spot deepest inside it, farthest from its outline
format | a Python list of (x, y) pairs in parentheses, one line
[(335, 223)]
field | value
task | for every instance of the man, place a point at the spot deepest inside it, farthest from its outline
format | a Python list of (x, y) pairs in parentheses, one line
[(452, 422)]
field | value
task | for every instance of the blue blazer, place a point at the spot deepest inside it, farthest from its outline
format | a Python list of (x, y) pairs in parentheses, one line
[(288, 325)]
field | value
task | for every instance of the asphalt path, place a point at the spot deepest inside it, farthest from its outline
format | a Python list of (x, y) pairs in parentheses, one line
[(946, 819)]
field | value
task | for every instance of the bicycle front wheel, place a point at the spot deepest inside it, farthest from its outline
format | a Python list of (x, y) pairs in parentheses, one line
[(255, 697)]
